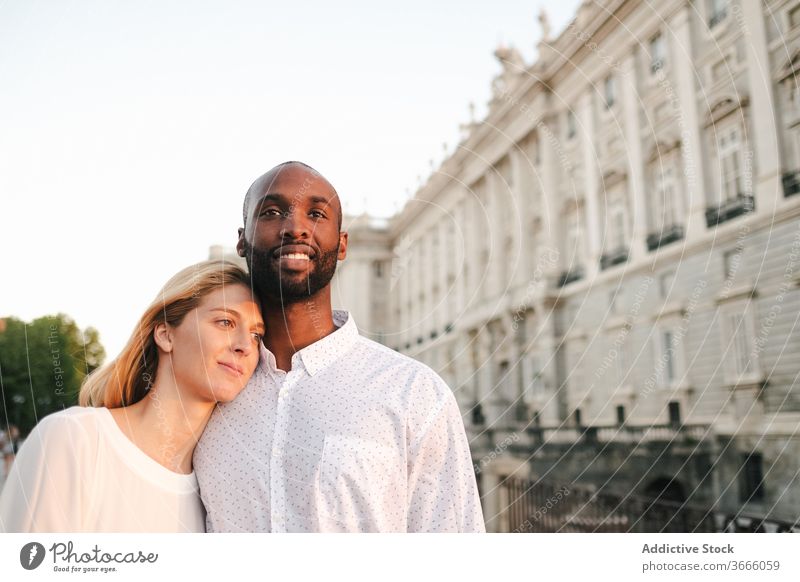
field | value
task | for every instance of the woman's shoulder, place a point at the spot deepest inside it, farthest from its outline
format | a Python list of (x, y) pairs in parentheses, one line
[(77, 420)]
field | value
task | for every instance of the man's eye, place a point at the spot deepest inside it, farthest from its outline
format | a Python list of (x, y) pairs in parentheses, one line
[(317, 214), (271, 212)]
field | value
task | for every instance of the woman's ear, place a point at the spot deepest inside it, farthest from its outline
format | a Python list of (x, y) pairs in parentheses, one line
[(162, 334)]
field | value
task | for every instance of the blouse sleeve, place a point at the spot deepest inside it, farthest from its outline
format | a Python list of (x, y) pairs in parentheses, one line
[(47, 487)]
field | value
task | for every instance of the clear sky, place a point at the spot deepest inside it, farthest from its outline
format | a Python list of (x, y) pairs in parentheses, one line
[(129, 131)]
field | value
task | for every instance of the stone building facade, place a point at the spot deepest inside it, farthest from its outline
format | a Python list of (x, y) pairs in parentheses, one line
[(606, 269)]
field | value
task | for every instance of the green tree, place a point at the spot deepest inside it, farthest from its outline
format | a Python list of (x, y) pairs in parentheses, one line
[(42, 366)]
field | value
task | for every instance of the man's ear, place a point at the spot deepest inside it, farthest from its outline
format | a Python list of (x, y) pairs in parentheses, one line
[(342, 246), (162, 334), (240, 243)]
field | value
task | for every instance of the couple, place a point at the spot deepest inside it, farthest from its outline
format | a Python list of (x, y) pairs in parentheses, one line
[(318, 429)]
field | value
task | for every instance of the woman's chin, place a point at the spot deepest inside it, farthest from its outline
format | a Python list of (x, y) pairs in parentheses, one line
[(223, 394)]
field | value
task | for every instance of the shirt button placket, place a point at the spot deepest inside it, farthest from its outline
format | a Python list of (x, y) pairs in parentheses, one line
[(275, 463)]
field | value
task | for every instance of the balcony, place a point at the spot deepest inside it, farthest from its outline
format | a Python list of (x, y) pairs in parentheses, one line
[(729, 209), (664, 433), (791, 183), (613, 257), (570, 275), (664, 237)]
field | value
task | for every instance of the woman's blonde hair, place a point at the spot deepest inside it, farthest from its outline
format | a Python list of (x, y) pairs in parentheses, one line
[(126, 380)]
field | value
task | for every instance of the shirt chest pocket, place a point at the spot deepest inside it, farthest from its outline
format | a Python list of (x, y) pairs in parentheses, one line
[(359, 480)]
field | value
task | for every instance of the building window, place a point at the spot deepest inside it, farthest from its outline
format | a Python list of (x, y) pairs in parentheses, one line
[(377, 268), (620, 415), (794, 17), (536, 376), (738, 339), (658, 54), (667, 195), (720, 70), (730, 261), (668, 356), (741, 343), (571, 124), (674, 409), (577, 418), (752, 477), (573, 253), (666, 206), (729, 151), (665, 281), (610, 92), (622, 362), (718, 10), (616, 233)]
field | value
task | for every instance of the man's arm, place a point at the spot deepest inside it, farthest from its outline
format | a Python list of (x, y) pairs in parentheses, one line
[(442, 492)]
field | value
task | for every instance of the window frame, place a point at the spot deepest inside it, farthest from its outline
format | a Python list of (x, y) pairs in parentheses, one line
[(733, 342)]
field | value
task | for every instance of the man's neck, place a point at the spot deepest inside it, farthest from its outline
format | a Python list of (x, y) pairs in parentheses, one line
[(294, 326)]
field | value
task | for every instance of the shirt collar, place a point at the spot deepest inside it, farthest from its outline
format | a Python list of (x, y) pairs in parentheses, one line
[(324, 352)]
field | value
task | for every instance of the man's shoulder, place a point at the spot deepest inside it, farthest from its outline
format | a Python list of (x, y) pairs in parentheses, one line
[(409, 376), (379, 355)]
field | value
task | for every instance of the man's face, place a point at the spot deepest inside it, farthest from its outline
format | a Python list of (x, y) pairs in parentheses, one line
[(292, 240)]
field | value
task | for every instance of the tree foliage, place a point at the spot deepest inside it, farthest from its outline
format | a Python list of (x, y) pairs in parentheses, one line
[(42, 365)]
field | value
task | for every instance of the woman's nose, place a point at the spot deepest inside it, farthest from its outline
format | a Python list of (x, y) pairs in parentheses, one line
[(242, 342)]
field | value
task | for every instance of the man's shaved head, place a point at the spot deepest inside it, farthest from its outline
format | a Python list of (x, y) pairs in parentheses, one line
[(263, 183), (292, 236)]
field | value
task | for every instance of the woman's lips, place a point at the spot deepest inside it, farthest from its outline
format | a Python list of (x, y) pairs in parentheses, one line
[(232, 368)]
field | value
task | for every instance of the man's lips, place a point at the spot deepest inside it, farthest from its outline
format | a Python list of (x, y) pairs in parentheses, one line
[(294, 252), (232, 368)]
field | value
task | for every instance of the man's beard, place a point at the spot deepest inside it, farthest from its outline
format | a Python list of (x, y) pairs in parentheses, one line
[(269, 281)]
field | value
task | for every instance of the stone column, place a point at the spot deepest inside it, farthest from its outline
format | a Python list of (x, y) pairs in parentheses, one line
[(458, 249), (689, 122), (766, 175), (442, 303), (486, 377), (551, 237), (591, 214), (633, 145), (522, 210)]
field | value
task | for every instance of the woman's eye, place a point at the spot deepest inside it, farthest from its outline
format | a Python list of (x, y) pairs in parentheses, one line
[(225, 322), (257, 337)]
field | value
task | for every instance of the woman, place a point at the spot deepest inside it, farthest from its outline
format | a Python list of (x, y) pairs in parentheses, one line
[(122, 461)]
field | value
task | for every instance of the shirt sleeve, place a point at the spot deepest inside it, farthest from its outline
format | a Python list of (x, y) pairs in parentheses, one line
[(442, 492), (46, 489)]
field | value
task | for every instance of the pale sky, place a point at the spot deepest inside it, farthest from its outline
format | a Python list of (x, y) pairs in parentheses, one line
[(129, 131)]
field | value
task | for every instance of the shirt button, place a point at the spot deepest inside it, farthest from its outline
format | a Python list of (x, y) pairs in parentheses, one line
[(276, 450), (282, 394)]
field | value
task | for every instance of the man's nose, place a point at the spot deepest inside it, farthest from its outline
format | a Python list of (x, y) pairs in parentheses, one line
[(295, 225)]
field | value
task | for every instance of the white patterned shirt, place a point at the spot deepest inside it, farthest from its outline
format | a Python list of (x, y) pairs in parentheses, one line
[(354, 438)]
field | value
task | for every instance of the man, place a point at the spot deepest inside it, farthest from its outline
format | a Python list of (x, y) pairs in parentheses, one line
[(334, 432)]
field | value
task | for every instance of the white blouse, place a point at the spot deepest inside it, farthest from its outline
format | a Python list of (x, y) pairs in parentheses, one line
[(78, 472)]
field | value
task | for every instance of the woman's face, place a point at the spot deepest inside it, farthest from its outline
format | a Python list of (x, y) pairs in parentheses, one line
[(215, 348)]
